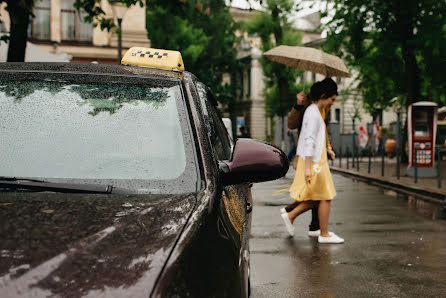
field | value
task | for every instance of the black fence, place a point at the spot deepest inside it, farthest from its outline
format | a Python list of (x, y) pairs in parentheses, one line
[(353, 158)]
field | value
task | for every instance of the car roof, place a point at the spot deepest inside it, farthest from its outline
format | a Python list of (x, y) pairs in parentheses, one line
[(91, 68)]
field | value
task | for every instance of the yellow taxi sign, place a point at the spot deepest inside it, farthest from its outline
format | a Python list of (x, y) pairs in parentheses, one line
[(156, 58)]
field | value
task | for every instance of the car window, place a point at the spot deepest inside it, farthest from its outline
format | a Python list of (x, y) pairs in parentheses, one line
[(216, 129), (97, 130)]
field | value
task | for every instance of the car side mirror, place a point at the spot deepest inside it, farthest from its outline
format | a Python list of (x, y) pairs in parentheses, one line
[(253, 161)]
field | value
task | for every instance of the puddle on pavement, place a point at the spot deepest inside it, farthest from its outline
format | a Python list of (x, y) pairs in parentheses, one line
[(430, 210), (427, 209)]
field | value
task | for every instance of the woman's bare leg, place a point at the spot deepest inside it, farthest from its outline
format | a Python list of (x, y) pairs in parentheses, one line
[(324, 215), (301, 208)]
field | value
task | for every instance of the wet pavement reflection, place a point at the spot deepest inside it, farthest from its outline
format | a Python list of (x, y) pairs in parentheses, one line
[(395, 245), (427, 209)]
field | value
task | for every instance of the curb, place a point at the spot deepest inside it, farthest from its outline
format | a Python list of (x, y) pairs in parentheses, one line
[(428, 194)]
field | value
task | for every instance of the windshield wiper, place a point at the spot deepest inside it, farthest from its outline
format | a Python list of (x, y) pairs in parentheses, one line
[(41, 185), (8, 178)]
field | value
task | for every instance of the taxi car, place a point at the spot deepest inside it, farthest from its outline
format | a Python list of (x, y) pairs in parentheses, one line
[(121, 181)]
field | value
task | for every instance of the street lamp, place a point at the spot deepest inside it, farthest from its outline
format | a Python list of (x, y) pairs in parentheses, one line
[(119, 10)]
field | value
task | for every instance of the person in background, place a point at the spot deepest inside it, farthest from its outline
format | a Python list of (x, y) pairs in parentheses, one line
[(295, 118), (243, 132), (293, 144)]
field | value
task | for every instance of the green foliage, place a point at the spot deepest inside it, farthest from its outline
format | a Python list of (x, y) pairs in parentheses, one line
[(398, 48), (204, 33), (272, 102), (274, 28)]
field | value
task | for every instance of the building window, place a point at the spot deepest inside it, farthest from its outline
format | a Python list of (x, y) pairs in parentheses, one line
[(41, 22), (72, 22), (313, 77), (337, 115)]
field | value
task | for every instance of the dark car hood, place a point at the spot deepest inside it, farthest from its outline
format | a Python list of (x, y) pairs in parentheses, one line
[(75, 245)]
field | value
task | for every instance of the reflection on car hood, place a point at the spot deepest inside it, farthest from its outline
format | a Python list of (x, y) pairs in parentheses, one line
[(92, 245)]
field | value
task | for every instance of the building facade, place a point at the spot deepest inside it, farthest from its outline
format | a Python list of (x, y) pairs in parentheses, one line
[(59, 28), (250, 101)]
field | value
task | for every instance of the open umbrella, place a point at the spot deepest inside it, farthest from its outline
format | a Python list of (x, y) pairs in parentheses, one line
[(309, 59)]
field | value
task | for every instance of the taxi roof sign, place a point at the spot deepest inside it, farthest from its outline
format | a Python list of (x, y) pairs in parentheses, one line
[(156, 58)]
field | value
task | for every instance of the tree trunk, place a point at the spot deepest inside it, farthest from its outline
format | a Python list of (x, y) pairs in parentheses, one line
[(277, 27), (412, 74), (282, 81), (283, 94), (19, 17), (405, 13)]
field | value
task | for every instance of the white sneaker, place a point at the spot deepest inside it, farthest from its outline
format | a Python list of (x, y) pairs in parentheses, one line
[(282, 210), (316, 233), (288, 225), (333, 239)]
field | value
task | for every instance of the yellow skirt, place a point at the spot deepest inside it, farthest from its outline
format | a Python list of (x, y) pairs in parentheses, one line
[(321, 185)]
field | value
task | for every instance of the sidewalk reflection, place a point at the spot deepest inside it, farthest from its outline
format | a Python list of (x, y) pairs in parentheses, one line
[(427, 209)]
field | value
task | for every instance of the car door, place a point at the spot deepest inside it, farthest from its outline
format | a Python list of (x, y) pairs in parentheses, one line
[(236, 202)]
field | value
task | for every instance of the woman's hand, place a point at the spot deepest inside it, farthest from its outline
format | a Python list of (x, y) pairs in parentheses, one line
[(331, 154), (308, 172), (301, 97), (308, 175)]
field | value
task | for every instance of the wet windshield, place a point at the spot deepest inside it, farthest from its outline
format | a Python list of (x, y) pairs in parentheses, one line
[(98, 130)]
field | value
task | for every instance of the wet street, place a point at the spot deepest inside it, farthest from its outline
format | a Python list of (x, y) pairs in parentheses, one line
[(394, 246)]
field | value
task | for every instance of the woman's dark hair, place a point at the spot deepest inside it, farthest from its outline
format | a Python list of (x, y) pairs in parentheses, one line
[(323, 89)]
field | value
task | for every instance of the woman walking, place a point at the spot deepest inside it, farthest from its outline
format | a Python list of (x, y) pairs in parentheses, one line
[(313, 182), (295, 118)]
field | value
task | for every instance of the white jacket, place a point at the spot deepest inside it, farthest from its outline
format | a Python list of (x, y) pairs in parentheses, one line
[(312, 134)]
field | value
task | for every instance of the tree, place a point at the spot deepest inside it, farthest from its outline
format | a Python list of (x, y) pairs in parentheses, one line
[(21, 11), (203, 30), (97, 16), (398, 47), (274, 28)]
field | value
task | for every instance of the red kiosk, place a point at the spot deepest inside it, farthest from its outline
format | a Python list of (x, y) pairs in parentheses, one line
[(421, 130)]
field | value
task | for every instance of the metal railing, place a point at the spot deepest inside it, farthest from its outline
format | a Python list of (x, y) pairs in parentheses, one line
[(348, 153)]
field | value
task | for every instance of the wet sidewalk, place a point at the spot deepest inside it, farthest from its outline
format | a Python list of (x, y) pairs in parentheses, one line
[(395, 245), (425, 187)]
